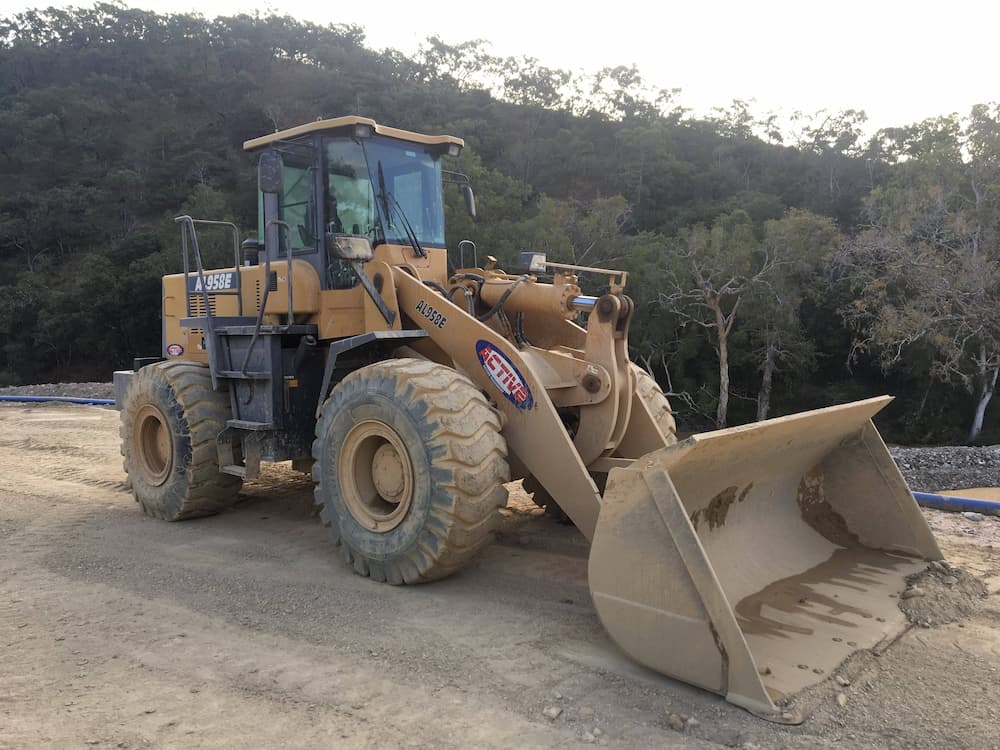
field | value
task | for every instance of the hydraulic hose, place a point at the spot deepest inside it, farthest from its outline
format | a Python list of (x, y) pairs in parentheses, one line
[(503, 298), (63, 399), (957, 504), (436, 287)]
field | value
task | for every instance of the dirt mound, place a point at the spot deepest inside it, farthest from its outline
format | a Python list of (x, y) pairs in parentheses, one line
[(75, 390), (935, 468), (940, 595)]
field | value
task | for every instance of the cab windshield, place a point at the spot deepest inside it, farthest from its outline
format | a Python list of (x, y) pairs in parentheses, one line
[(378, 186)]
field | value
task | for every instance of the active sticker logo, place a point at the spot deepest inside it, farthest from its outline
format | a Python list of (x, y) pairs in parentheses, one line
[(175, 350), (505, 376)]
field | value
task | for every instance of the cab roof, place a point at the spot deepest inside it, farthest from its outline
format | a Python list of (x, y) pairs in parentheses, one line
[(346, 123)]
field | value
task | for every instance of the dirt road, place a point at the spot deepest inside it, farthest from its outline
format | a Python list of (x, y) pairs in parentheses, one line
[(245, 631)]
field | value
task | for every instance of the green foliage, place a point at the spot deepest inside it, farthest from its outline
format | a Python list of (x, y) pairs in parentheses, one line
[(115, 120), (924, 274)]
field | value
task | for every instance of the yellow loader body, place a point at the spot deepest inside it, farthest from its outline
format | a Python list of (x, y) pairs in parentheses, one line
[(749, 561)]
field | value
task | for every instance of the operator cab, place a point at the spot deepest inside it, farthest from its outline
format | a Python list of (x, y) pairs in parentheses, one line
[(332, 187)]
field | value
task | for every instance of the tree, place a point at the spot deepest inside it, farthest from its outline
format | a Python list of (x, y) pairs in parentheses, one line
[(926, 271), (711, 272), (797, 245)]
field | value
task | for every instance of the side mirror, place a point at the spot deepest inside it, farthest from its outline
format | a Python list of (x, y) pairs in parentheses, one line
[(270, 168), (470, 200), (349, 247)]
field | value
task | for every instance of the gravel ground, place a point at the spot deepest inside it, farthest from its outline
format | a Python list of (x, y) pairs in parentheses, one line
[(949, 467), (76, 390), (245, 630), (927, 469)]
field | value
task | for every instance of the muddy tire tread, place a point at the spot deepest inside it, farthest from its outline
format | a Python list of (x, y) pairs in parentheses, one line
[(652, 395), (469, 463), (197, 488)]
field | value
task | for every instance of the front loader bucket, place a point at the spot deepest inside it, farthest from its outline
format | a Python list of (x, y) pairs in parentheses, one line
[(752, 561)]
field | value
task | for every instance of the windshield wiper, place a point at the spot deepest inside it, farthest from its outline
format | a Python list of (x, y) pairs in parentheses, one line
[(382, 196), (408, 228), (383, 201)]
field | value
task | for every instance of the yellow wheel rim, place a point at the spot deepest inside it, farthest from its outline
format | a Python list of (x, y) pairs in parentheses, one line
[(154, 444), (376, 476)]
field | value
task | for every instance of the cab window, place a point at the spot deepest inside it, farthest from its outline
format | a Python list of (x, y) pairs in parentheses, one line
[(297, 206)]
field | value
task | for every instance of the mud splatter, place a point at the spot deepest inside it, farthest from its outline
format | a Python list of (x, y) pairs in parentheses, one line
[(854, 569), (718, 507), (819, 514)]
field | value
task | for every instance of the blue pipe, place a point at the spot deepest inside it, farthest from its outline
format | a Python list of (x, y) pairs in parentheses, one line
[(926, 499), (957, 504), (63, 399)]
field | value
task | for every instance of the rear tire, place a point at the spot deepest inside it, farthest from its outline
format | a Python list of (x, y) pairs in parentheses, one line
[(410, 470), (169, 422)]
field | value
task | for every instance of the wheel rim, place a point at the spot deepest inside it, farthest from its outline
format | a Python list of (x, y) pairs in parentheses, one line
[(376, 476), (154, 444)]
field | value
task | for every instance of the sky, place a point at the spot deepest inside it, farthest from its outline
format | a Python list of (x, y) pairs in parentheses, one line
[(900, 62)]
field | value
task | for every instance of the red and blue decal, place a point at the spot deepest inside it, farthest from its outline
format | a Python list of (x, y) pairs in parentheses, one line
[(505, 375), (175, 350)]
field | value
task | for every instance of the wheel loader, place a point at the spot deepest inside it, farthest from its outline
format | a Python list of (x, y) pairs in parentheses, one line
[(416, 383)]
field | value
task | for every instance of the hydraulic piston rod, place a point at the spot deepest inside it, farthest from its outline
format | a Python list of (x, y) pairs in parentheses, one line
[(583, 303)]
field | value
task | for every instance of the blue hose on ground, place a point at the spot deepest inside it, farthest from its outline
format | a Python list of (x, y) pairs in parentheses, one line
[(63, 399), (957, 504), (926, 499)]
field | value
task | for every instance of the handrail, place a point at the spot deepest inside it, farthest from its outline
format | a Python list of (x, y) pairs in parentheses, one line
[(209, 331), (288, 233), (267, 289), (187, 221)]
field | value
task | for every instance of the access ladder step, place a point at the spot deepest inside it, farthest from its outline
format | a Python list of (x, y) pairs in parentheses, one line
[(248, 375), (245, 424), (298, 329)]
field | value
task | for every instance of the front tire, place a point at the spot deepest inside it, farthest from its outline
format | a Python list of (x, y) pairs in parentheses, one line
[(169, 422), (410, 470), (652, 396)]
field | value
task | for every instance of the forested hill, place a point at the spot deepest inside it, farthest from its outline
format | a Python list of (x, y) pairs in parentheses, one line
[(805, 268)]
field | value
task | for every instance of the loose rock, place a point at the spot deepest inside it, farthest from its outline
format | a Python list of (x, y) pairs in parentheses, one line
[(588, 737), (553, 712), (973, 516), (841, 699), (78, 390), (942, 599), (932, 469), (586, 712), (676, 723), (842, 681)]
